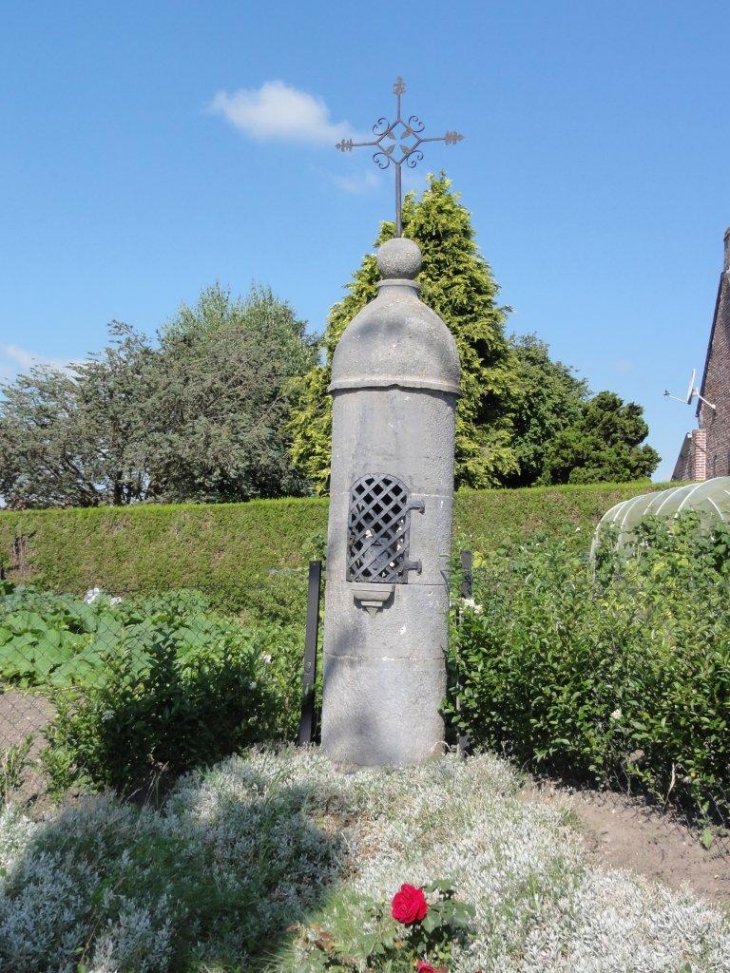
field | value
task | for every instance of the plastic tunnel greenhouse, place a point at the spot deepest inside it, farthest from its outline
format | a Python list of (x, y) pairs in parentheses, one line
[(710, 499)]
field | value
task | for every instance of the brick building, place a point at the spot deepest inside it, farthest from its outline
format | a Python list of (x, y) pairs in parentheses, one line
[(705, 451)]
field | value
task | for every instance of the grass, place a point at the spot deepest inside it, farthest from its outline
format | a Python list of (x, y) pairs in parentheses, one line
[(245, 857)]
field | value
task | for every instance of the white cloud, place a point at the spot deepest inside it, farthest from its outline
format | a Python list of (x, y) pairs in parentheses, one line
[(276, 111), (17, 359)]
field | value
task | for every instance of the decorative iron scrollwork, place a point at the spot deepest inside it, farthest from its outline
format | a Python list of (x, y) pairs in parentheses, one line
[(378, 530), (409, 138)]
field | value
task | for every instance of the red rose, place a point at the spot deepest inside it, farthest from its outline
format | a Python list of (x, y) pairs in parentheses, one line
[(409, 905), (423, 967)]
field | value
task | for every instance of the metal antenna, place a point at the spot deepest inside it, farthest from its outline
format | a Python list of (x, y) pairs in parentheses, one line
[(692, 393), (402, 135)]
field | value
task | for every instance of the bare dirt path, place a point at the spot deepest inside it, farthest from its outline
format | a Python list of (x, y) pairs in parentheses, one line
[(624, 832)]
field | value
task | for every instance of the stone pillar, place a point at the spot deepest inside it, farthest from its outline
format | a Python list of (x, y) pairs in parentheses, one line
[(395, 380)]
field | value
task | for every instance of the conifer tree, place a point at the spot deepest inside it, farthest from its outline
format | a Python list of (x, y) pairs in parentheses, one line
[(551, 398), (457, 283), (604, 445)]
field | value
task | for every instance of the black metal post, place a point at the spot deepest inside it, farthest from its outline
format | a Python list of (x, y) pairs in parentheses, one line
[(306, 724), (466, 591), (467, 576)]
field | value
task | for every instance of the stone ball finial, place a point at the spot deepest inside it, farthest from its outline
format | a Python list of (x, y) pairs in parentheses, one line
[(399, 259)]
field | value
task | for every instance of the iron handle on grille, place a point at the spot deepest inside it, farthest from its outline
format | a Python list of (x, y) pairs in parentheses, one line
[(420, 506)]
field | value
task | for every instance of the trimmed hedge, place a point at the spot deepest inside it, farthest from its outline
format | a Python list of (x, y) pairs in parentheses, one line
[(227, 550), (252, 557), (485, 519)]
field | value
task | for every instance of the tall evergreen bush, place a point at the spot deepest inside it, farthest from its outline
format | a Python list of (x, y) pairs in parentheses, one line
[(457, 282)]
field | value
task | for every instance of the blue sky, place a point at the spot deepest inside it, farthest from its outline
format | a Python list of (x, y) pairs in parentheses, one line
[(150, 149)]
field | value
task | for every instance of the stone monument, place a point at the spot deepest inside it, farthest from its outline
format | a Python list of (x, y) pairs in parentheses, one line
[(395, 382)]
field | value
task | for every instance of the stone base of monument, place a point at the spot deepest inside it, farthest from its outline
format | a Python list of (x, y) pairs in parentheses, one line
[(383, 712), (384, 673)]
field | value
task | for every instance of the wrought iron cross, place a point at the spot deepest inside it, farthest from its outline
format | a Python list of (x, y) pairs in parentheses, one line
[(398, 135)]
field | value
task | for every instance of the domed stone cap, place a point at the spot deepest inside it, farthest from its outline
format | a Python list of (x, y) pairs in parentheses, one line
[(396, 341), (399, 259)]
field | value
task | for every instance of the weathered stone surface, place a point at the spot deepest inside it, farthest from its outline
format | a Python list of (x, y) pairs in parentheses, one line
[(396, 340), (384, 714), (415, 437), (405, 630), (399, 258), (395, 378)]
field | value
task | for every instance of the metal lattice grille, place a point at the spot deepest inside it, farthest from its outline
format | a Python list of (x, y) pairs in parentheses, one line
[(379, 529)]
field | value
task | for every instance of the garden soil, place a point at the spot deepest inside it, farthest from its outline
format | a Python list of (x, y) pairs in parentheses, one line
[(617, 831), (625, 832), (23, 715)]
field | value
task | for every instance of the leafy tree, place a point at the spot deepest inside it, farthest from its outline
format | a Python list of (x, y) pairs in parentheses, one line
[(550, 399), (198, 417), (456, 281), (73, 438), (227, 367), (602, 446), (226, 372), (41, 459), (115, 389)]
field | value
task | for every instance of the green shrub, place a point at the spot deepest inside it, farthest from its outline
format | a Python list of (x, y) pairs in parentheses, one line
[(621, 678), (13, 761), (147, 687), (48, 639), (178, 687)]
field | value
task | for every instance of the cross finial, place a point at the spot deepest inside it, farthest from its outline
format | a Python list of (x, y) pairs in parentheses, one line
[(392, 138)]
